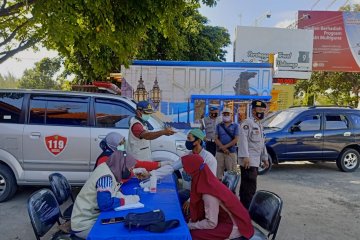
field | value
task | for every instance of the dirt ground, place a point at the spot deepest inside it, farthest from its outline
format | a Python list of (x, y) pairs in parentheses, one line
[(320, 203)]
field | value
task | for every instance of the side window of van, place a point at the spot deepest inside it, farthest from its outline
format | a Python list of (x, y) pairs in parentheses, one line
[(10, 107), (59, 111), (112, 114)]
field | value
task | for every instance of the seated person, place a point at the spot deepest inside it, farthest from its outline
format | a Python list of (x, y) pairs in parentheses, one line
[(215, 212), (194, 143), (101, 192), (115, 141)]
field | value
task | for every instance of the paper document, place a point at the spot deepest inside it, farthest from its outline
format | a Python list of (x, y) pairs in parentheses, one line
[(130, 206)]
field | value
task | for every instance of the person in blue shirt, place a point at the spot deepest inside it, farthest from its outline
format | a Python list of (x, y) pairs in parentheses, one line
[(226, 137)]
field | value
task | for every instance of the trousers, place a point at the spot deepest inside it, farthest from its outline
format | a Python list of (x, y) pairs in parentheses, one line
[(248, 185)]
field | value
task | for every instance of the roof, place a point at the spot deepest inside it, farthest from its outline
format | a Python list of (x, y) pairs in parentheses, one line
[(201, 64)]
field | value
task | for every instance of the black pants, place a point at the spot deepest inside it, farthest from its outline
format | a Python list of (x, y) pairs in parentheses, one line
[(211, 147), (248, 185)]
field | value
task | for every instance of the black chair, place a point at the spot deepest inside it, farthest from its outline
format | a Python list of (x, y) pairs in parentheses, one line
[(62, 191), (44, 212), (265, 210), (231, 180)]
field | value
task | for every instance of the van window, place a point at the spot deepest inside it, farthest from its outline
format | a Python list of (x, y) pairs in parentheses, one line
[(10, 107), (356, 120), (112, 114), (58, 111), (335, 122)]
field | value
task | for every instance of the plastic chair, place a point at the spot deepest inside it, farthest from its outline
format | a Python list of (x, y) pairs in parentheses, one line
[(265, 210), (44, 212), (62, 191), (231, 180)]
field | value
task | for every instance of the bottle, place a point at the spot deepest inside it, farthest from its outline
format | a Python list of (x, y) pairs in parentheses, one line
[(153, 183)]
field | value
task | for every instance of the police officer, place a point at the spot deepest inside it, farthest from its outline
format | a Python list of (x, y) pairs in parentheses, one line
[(139, 137), (209, 125), (251, 150)]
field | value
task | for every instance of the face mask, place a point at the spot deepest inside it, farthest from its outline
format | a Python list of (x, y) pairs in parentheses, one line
[(121, 147), (186, 176), (213, 115), (226, 119), (259, 115), (145, 117), (189, 145)]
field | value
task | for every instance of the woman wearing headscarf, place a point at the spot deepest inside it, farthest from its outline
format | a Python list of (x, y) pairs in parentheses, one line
[(115, 141), (215, 212), (101, 192)]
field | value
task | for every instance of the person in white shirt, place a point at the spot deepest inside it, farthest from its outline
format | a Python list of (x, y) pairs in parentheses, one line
[(194, 143)]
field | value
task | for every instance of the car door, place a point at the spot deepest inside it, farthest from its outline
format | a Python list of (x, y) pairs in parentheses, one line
[(57, 138), (338, 133), (110, 115), (305, 138)]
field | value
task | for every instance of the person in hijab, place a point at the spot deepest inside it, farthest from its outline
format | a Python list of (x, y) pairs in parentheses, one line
[(101, 192), (115, 141), (215, 212)]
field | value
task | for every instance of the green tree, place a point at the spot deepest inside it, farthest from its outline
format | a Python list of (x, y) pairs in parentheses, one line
[(8, 81), (42, 75), (95, 37), (197, 41)]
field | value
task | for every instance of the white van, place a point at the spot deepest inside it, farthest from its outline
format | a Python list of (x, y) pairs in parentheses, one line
[(42, 132)]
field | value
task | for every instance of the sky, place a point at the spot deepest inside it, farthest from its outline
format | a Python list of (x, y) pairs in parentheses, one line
[(227, 13)]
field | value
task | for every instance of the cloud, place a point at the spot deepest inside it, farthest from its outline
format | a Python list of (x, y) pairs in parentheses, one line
[(284, 23)]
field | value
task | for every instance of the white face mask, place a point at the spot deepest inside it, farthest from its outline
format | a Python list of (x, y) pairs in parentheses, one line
[(226, 118), (121, 147), (145, 117)]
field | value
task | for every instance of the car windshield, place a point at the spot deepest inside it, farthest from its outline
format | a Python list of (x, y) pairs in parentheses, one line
[(279, 119)]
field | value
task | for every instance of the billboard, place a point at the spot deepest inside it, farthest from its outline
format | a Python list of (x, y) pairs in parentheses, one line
[(293, 49), (180, 80), (336, 39)]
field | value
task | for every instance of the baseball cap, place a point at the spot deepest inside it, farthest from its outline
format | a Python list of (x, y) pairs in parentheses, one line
[(227, 110), (258, 103), (144, 106), (196, 132)]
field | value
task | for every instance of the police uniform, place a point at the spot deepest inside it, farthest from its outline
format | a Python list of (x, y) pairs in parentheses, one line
[(251, 145), (209, 125)]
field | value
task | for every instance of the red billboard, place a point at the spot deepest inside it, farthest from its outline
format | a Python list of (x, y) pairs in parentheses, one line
[(336, 39)]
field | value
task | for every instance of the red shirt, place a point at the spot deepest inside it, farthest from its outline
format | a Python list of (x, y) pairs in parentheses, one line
[(137, 129)]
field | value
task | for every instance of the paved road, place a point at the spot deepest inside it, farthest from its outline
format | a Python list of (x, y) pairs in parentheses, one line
[(320, 203)]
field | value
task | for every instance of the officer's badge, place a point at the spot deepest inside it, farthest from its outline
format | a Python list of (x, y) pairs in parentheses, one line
[(258, 104), (246, 127)]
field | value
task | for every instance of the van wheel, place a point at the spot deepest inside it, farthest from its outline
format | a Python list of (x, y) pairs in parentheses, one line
[(8, 184), (349, 160), (262, 170)]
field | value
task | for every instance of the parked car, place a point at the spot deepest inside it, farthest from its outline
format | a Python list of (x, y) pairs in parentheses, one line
[(314, 134), (42, 132)]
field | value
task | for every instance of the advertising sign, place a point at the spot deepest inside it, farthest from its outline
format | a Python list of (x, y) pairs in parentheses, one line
[(292, 47), (179, 81), (336, 39)]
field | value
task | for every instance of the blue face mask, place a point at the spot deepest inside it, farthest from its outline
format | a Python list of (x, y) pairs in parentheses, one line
[(145, 117), (121, 147), (186, 176)]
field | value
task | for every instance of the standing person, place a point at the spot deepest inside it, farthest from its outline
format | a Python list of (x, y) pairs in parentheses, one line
[(101, 192), (252, 150), (215, 212), (226, 138), (139, 136), (209, 125)]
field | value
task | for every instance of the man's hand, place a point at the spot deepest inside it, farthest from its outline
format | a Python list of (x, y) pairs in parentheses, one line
[(246, 162), (186, 207), (141, 174), (265, 163), (168, 131)]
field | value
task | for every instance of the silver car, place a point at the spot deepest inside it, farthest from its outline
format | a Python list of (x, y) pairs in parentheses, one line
[(42, 132)]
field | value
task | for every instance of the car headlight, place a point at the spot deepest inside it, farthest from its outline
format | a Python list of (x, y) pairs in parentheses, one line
[(180, 145)]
